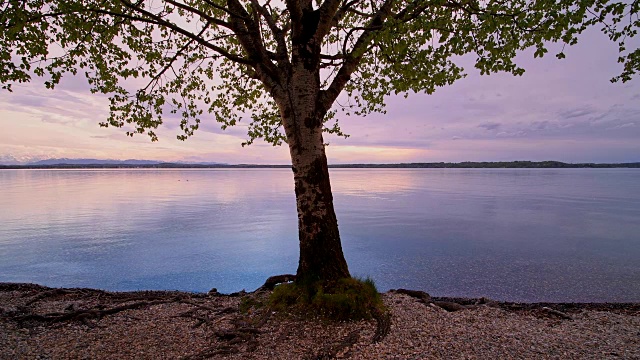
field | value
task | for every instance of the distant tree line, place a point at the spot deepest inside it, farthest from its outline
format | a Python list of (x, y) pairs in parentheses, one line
[(492, 165), (438, 165)]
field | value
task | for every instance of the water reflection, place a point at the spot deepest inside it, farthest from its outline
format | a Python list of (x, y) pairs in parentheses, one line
[(531, 235), (373, 182)]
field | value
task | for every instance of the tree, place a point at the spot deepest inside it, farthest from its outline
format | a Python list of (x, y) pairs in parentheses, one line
[(285, 64)]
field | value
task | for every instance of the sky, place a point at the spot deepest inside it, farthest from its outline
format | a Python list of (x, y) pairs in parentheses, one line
[(564, 110)]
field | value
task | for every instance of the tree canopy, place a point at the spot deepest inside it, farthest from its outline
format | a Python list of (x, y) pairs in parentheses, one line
[(187, 58)]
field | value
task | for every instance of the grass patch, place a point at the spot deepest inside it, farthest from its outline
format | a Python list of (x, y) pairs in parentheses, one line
[(249, 303), (346, 299)]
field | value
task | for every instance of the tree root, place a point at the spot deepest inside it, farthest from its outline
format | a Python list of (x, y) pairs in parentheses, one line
[(241, 337), (59, 292), (383, 325), (212, 354), (557, 313), (340, 348), (84, 315), (272, 281), (233, 339), (457, 304), (422, 296), (198, 306), (426, 299), (450, 306)]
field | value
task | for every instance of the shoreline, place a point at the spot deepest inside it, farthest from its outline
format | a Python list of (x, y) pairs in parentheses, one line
[(465, 301), (38, 321)]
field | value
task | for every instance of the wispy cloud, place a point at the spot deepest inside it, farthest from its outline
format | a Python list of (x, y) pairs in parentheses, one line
[(490, 125), (622, 126), (576, 113)]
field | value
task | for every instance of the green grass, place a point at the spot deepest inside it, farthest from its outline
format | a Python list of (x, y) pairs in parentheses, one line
[(248, 303), (346, 299)]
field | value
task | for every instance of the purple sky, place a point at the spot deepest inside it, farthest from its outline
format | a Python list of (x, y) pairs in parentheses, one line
[(564, 110)]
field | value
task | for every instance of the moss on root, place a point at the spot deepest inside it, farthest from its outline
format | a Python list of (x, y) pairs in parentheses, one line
[(345, 299)]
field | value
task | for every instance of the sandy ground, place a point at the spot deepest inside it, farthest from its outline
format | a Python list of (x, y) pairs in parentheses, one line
[(44, 323)]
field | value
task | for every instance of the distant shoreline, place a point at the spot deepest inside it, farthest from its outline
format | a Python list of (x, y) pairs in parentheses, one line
[(438, 165)]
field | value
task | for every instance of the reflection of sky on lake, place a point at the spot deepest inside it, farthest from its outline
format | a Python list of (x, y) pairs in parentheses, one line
[(518, 234)]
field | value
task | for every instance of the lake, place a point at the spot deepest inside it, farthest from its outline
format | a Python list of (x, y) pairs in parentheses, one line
[(507, 234)]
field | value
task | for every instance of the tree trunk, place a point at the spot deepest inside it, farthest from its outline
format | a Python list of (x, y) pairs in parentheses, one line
[(321, 256)]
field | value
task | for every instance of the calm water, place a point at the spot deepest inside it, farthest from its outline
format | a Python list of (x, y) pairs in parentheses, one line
[(510, 234)]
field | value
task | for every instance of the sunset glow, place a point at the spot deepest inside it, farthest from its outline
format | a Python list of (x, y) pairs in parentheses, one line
[(559, 110)]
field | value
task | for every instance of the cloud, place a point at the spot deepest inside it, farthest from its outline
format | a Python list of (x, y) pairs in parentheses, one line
[(55, 106), (490, 125), (622, 126), (575, 113), (116, 136), (29, 101), (56, 119), (511, 133), (540, 125)]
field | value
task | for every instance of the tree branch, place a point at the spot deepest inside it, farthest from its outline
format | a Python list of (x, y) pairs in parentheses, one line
[(343, 10), (158, 20), (248, 33), (295, 10), (199, 13), (328, 96), (222, 8), (278, 34), (327, 10), (407, 14), (175, 57)]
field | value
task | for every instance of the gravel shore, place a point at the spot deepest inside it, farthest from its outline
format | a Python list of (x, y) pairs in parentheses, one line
[(43, 323)]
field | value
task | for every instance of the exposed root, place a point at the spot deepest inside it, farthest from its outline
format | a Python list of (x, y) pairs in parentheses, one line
[(275, 280), (383, 325), (59, 292), (339, 349), (426, 299), (197, 306), (264, 318), (557, 313), (84, 315), (422, 296), (241, 337), (450, 306), (212, 354)]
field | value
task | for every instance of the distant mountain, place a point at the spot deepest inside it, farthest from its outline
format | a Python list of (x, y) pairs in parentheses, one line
[(65, 161), (208, 163), (12, 163), (10, 160)]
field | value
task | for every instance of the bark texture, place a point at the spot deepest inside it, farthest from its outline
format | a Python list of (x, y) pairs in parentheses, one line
[(321, 256)]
